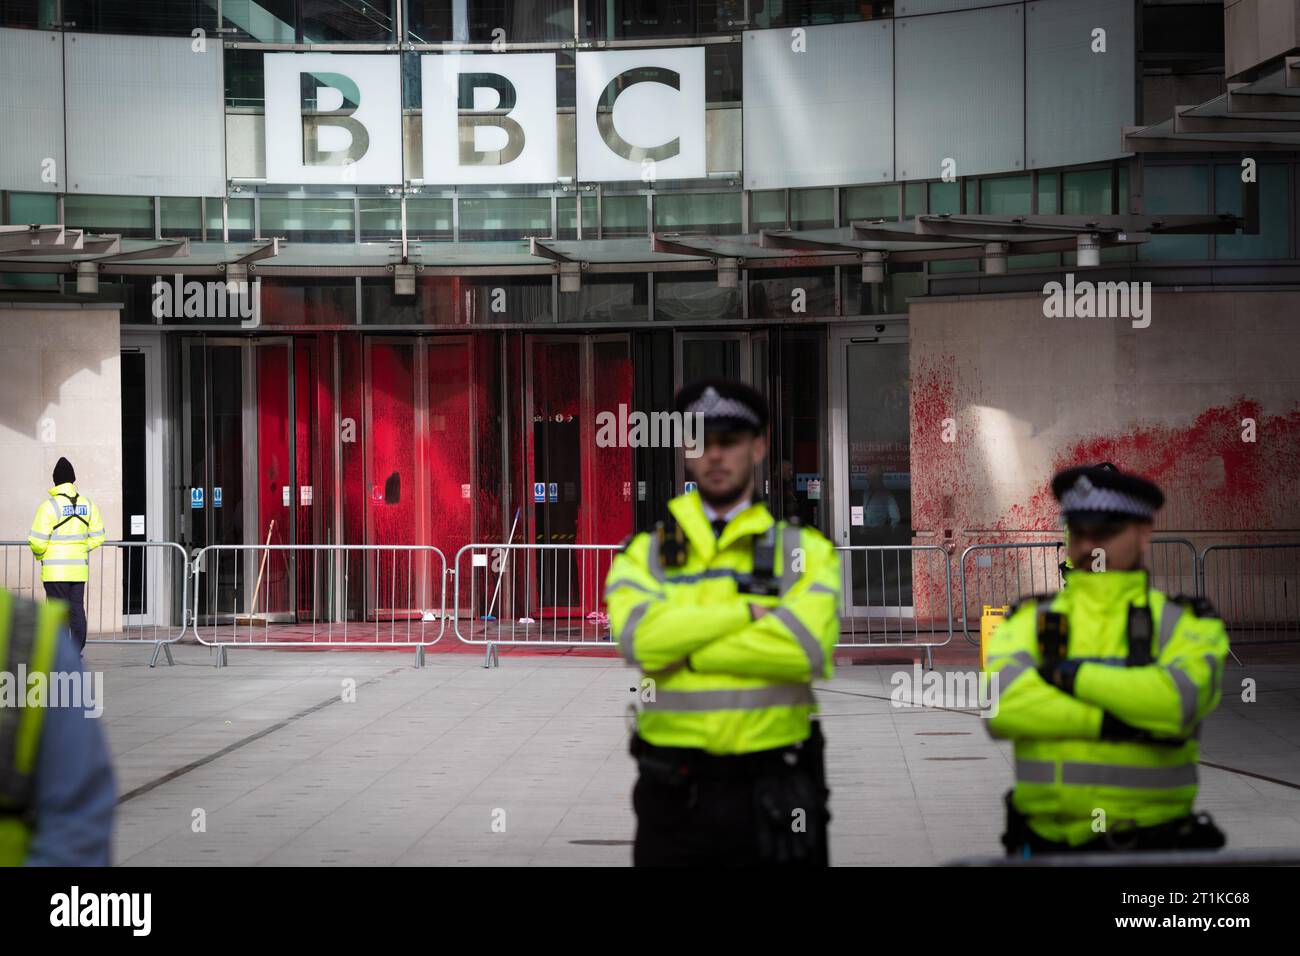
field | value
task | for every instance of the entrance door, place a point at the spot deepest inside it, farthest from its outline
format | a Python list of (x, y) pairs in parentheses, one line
[(240, 475), (726, 355), (152, 578), (871, 458), (581, 487)]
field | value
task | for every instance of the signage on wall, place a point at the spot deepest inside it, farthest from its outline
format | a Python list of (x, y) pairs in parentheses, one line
[(216, 497), (196, 497), (539, 492), (488, 119), (553, 492), (690, 486)]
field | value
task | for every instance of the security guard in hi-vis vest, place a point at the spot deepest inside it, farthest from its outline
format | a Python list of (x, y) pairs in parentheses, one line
[(67, 527), (731, 616), (1103, 687)]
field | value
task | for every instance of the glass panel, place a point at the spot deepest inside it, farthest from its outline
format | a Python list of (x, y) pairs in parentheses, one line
[(392, 505), (434, 302), (239, 217), (723, 76), (1047, 194), (767, 209), (143, 17), (710, 358), (623, 216), (449, 509), (128, 216), (498, 219), (1274, 203), (135, 480), (715, 214), (245, 82), (270, 21), (1176, 189), (347, 21), (608, 298), (879, 470), (505, 299), (812, 208), (784, 294), (33, 14), (315, 301), (612, 466), (881, 298), (1085, 191), (180, 217), (557, 466), (800, 457), (793, 13), (432, 21), (945, 198), (954, 265), (32, 209), (691, 298), (275, 492), (1006, 196), (566, 214), (870, 202), (381, 219), (428, 218), (913, 199), (308, 220), (212, 218), (622, 19)]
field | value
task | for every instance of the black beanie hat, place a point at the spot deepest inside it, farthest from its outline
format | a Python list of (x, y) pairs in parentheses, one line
[(63, 473)]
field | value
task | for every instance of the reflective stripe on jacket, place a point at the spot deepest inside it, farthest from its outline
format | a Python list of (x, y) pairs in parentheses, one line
[(29, 633), (719, 681), (1121, 750), (64, 532)]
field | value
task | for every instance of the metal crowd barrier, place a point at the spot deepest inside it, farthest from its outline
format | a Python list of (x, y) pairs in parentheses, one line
[(1003, 574), (1255, 589), (322, 595), (896, 596), (535, 595), (136, 591)]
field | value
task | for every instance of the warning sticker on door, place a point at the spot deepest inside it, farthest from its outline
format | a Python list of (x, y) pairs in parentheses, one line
[(286, 496), (196, 497), (539, 492), (304, 495)]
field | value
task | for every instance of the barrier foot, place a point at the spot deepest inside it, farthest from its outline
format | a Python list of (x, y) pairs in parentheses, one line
[(490, 659), (929, 658), (161, 647), (419, 656), (221, 655), (1235, 657)]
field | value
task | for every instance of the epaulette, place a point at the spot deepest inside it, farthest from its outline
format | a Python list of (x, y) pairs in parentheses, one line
[(1199, 606)]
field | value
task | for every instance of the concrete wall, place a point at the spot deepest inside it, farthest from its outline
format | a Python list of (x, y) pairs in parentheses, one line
[(1030, 395), (60, 395)]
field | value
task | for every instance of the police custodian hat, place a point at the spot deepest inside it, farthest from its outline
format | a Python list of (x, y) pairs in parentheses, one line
[(1104, 493), (726, 406)]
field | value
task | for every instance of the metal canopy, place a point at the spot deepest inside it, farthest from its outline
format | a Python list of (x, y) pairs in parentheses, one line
[(925, 238), (1261, 115)]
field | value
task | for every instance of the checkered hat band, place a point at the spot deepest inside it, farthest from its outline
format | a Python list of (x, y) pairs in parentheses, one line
[(1105, 499), (715, 406)]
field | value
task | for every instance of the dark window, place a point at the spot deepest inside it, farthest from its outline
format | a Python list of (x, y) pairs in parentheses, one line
[(653, 18), (314, 301), (521, 21), (786, 294), (37, 14), (694, 297), (608, 298), (145, 17)]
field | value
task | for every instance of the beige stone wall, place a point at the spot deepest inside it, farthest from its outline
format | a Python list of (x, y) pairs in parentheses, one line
[(60, 395), (1029, 395)]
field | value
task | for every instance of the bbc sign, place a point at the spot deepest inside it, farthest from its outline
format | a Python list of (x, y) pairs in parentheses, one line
[(487, 118)]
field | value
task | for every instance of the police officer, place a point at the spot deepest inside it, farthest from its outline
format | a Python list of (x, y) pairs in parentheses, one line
[(67, 527), (731, 616), (1103, 687), (56, 783)]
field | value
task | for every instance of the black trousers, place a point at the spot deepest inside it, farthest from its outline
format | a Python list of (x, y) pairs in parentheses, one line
[(767, 809), (74, 592)]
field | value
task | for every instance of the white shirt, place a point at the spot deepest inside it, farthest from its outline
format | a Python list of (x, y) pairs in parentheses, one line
[(713, 515)]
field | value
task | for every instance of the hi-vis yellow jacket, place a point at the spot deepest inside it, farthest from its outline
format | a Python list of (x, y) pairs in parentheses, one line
[(1124, 740), (722, 682), (66, 529), (29, 634)]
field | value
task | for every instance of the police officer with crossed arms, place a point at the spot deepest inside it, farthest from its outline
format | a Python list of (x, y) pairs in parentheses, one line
[(731, 616), (1103, 687)]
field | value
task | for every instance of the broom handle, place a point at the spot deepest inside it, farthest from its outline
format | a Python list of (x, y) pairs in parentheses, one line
[(262, 566)]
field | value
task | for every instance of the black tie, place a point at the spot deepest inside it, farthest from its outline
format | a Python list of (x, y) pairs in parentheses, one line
[(719, 524)]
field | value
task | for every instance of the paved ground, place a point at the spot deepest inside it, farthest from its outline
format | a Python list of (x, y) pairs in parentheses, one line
[(419, 767)]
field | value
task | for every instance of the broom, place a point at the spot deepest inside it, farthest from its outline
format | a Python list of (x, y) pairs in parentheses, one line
[(257, 588)]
